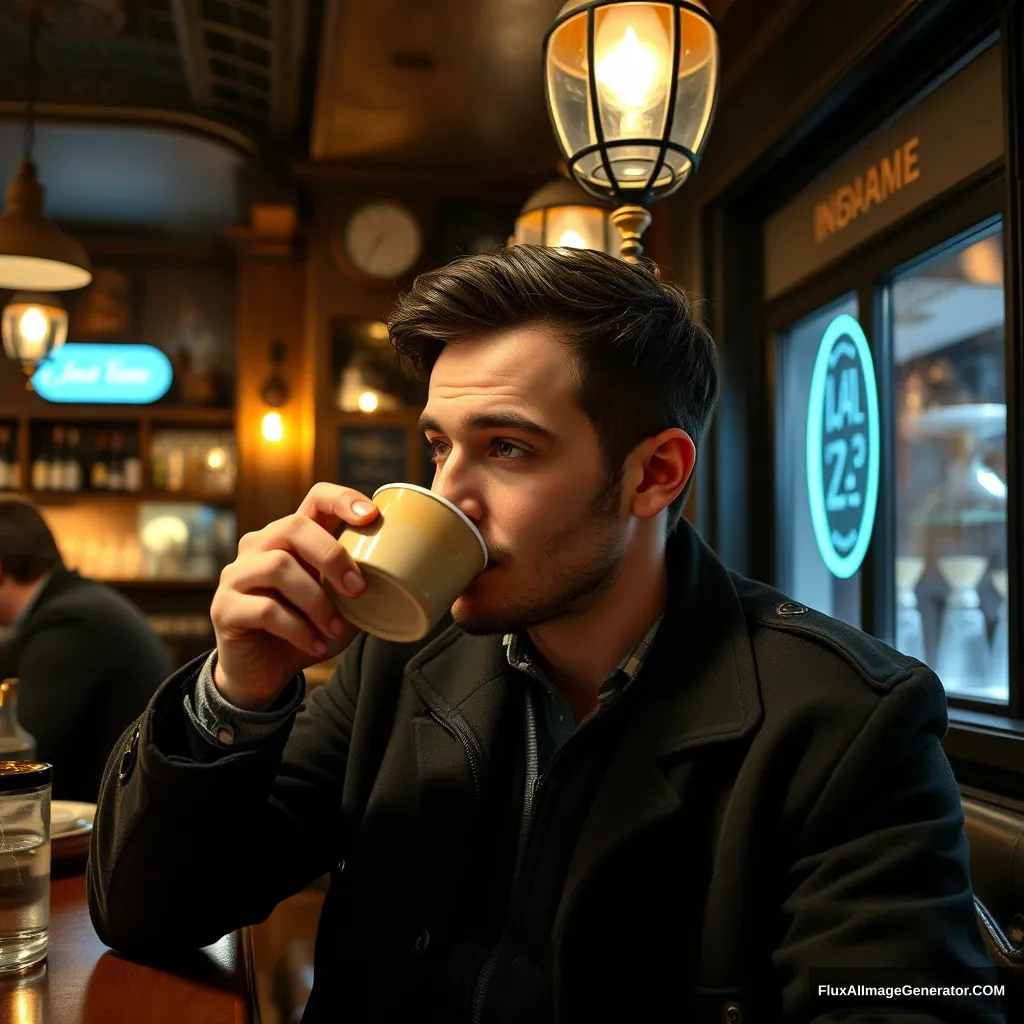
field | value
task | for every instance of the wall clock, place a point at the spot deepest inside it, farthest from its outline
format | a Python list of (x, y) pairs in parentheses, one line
[(381, 240)]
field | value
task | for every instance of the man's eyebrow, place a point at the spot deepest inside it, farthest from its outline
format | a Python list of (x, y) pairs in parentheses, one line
[(494, 420)]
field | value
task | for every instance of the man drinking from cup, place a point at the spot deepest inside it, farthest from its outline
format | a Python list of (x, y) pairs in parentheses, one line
[(617, 783)]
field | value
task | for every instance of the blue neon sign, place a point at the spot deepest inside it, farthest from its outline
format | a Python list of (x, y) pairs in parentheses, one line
[(106, 374), (843, 446)]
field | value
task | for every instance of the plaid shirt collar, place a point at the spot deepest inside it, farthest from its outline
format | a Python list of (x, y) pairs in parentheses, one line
[(521, 656)]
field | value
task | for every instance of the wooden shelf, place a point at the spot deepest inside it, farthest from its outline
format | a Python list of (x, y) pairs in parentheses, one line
[(171, 415), (90, 497)]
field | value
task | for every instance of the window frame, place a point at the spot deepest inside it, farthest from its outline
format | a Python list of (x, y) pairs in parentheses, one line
[(975, 204)]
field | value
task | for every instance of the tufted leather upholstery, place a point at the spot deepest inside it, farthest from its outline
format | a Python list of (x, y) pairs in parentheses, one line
[(995, 831)]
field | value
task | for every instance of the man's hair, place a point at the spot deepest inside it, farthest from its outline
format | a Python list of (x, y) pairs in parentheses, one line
[(27, 548), (643, 361)]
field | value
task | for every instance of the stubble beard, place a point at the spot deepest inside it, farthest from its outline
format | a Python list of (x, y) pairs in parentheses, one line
[(579, 563)]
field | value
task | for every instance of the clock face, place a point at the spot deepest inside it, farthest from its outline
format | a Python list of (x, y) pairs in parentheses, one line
[(383, 239)]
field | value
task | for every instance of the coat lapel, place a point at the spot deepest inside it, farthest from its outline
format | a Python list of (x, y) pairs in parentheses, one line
[(698, 687), (462, 683)]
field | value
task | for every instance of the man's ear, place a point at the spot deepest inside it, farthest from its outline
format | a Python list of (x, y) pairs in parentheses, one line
[(661, 467)]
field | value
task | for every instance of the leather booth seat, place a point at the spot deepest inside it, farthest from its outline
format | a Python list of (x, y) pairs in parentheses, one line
[(995, 832)]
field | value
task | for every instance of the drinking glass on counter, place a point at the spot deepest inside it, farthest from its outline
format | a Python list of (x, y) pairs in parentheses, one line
[(24, 863)]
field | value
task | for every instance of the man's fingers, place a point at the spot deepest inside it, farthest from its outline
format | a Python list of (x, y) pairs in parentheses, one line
[(243, 613), (315, 547), (277, 570), (329, 505)]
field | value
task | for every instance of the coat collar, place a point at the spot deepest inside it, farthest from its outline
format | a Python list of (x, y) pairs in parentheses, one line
[(698, 684), (697, 687), (58, 580)]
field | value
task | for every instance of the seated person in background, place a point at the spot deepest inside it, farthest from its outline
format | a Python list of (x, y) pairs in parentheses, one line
[(623, 784), (86, 659)]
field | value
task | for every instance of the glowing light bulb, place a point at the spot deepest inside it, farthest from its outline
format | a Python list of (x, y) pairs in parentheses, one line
[(215, 458), (34, 326), (571, 239), (367, 401), (273, 428), (631, 65)]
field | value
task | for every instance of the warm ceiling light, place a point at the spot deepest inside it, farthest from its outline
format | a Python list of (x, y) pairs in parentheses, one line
[(631, 89), (34, 253), (368, 401), (561, 214)]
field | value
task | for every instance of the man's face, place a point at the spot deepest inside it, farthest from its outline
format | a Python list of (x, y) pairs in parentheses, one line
[(516, 453)]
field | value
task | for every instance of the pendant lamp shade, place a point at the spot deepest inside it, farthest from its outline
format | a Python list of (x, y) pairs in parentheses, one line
[(35, 255)]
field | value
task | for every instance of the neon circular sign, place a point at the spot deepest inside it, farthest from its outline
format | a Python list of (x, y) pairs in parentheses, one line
[(843, 446)]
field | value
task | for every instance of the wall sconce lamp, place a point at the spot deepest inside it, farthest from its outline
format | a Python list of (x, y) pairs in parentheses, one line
[(631, 88), (275, 393)]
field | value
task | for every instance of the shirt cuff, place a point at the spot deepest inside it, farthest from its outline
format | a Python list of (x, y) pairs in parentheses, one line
[(222, 724)]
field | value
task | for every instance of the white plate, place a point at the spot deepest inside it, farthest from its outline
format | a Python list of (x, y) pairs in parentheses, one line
[(69, 818)]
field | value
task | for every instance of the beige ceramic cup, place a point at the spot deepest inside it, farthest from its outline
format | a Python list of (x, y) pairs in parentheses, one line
[(416, 557)]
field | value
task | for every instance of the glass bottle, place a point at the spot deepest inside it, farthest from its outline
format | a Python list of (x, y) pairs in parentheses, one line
[(132, 465), (55, 469), (41, 467), (962, 660), (909, 627), (16, 743), (999, 666), (73, 462), (99, 470), (115, 467)]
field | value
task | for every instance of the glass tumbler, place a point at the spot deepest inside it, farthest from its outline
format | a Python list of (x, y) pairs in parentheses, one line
[(24, 863)]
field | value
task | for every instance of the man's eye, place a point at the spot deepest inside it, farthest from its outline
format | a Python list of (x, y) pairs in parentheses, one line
[(438, 450), (509, 451)]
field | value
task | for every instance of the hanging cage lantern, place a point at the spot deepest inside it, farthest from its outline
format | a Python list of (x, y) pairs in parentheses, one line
[(561, 214), (631, 88)]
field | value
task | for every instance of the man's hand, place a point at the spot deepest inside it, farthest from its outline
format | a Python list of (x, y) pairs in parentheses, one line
[(270, 616)]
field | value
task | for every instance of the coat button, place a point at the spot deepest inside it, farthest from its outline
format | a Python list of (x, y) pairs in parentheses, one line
[(791, 608), (421, 942), (732, 1013), (128, 757)]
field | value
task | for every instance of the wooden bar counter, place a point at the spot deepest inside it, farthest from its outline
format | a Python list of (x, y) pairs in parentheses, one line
[(84, 982)]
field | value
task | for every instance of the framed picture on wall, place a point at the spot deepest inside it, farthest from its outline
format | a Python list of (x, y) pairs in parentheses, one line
[(468, 229), (109, 309), (369, 457)]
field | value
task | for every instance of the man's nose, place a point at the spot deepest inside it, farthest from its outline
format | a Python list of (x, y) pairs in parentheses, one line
[(454, 485)]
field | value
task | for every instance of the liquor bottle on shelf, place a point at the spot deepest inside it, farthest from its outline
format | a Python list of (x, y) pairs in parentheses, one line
[(16, 743), (176, 466), (72, 469), (7, 456), (41, 466), (132, 465), (115, 470), (98, 469), (55, 470)]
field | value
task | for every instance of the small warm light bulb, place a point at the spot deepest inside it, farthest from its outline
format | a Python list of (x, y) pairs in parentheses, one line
[(216, 457), (629, 69), (367, 401), (273, 428), (633, 52), (34, 325), (571, 239)]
